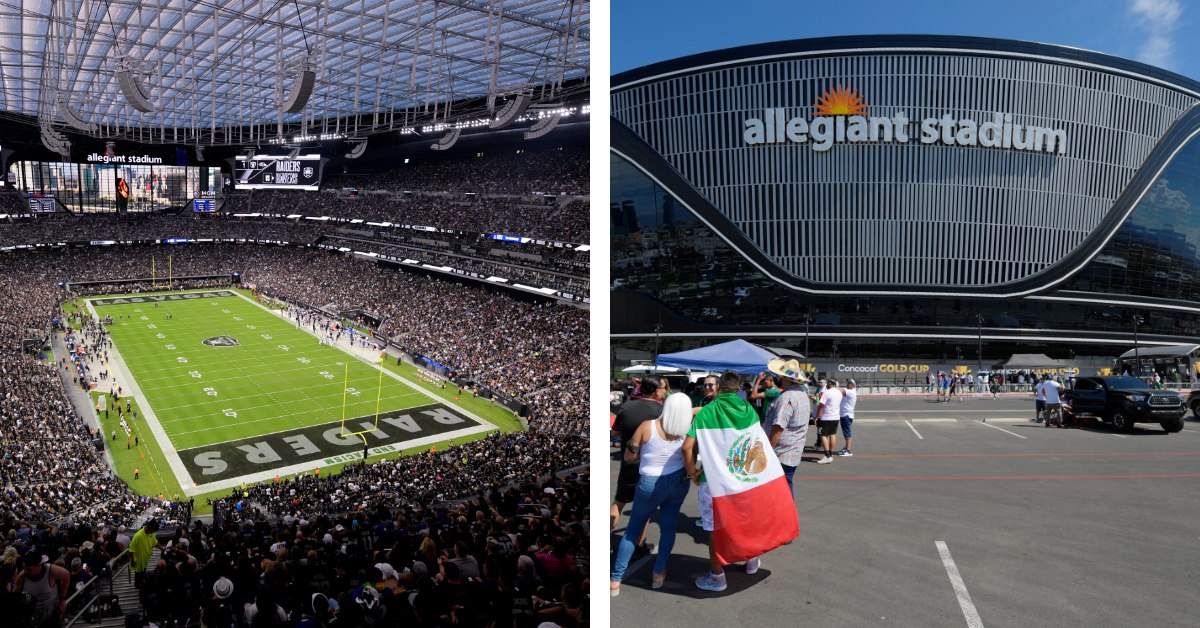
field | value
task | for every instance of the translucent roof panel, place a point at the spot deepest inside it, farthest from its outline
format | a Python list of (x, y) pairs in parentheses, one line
[(211, 65)]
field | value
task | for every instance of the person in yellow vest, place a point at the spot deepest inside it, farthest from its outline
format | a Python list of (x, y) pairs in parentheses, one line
[(141, 548)]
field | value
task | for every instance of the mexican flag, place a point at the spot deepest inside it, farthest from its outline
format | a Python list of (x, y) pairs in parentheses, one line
[(753, 510)]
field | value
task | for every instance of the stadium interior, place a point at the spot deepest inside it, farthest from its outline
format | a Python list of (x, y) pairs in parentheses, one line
[(401, 182)]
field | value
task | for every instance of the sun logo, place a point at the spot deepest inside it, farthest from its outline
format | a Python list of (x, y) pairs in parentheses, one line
[(841, 102)]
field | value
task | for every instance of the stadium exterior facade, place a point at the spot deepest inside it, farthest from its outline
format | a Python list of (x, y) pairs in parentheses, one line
[(906, 196)]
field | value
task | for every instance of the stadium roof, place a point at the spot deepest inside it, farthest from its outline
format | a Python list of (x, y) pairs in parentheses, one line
[(214, 68)]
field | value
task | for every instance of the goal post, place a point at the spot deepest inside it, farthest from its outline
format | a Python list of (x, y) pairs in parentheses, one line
[(342, 432)]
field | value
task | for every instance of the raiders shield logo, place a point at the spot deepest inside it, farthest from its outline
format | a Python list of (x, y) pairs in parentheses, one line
[(222, 341)]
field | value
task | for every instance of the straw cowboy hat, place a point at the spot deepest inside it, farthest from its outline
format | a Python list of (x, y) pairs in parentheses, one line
[(789, 369)]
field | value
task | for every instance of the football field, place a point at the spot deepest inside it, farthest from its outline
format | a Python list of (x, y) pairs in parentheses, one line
[(233, 393)]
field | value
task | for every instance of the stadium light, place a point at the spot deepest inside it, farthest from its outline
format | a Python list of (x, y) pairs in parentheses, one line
[(513, 110), (447, 140)]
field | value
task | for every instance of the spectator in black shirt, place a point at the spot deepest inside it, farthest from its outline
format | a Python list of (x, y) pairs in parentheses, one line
[(633, 413)]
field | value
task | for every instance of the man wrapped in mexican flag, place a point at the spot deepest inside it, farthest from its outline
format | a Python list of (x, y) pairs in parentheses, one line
[(744, 498)]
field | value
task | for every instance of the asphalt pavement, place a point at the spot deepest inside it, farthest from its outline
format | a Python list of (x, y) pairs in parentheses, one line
[(961, 514)]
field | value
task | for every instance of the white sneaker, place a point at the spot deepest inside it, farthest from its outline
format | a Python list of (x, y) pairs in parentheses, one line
[(825, 460), (752, 566), (712, 582)]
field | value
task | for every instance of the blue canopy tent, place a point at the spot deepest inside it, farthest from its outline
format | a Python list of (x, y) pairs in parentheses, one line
[(735, 355)]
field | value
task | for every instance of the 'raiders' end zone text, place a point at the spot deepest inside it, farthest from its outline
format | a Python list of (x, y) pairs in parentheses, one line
[(324, 444)]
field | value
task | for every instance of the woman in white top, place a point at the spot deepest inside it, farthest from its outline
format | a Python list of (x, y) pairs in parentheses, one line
[(663, 485)]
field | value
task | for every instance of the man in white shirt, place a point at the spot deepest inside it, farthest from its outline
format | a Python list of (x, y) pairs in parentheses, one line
[(1050, 390), (828, 418), (849, 399)]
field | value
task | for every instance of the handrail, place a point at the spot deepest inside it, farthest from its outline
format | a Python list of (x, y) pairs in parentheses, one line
[(108, 568)]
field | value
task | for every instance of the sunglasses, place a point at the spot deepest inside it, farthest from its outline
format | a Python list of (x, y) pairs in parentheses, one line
[(710, 385)]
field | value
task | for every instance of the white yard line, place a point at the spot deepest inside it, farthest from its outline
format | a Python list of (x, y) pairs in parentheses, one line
[(389, 373), (276, 417), (930, 411), (220, 400), (910, 426), (960, 587), (996, 427)]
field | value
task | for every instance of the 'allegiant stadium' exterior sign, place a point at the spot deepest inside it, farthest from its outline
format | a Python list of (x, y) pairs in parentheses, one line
[(840, 119)]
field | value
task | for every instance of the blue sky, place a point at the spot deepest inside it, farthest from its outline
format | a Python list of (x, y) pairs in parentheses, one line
[(1163, 33)]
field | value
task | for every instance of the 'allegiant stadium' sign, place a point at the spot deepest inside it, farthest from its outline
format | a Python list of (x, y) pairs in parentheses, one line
[(841, 118)]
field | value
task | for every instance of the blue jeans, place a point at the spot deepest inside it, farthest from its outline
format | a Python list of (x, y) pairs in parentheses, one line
[(788, 472), (654, 492)]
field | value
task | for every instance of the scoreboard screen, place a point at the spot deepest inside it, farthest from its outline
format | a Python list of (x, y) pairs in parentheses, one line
[(204, 205), (278, 172), (43, 205)]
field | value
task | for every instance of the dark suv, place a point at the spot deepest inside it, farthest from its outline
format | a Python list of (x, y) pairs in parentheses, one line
[(1124, 401)]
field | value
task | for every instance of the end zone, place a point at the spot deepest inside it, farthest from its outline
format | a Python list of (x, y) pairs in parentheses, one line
[(257, 458)]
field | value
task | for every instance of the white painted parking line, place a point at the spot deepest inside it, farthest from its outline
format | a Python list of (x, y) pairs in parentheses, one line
[(960, 587), (1000, 428), (910, 426), (1189, 431), (929, 411)]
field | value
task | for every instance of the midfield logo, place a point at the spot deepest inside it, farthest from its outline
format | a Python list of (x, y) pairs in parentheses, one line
[(222, 341)]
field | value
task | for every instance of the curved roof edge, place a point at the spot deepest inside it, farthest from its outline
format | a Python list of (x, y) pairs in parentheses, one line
[(819, 45)]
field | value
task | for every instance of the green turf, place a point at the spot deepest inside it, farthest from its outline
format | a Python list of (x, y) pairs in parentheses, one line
[(278, 378), (268, 388), (137, 450)]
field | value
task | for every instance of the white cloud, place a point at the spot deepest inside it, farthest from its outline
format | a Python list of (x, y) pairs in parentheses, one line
[(1158, 19)]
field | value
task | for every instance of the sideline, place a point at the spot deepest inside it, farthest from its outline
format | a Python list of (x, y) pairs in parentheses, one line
[(164, 443)]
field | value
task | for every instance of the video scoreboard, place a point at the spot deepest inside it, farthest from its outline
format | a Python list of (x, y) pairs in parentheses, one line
[(43, 204), (278, 172)]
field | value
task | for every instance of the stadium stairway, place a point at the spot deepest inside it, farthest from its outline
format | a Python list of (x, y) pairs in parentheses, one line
[(127, 594)]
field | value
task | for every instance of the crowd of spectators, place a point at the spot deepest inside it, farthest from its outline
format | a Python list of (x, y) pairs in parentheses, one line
[(543, 267), (50, 469), (517, 173), (360, 549), (564, 220), (523, 350), (480, 534), (87, 228), (378, 541)]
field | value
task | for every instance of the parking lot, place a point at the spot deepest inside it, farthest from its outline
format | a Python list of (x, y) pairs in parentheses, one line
[(961, 514)]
